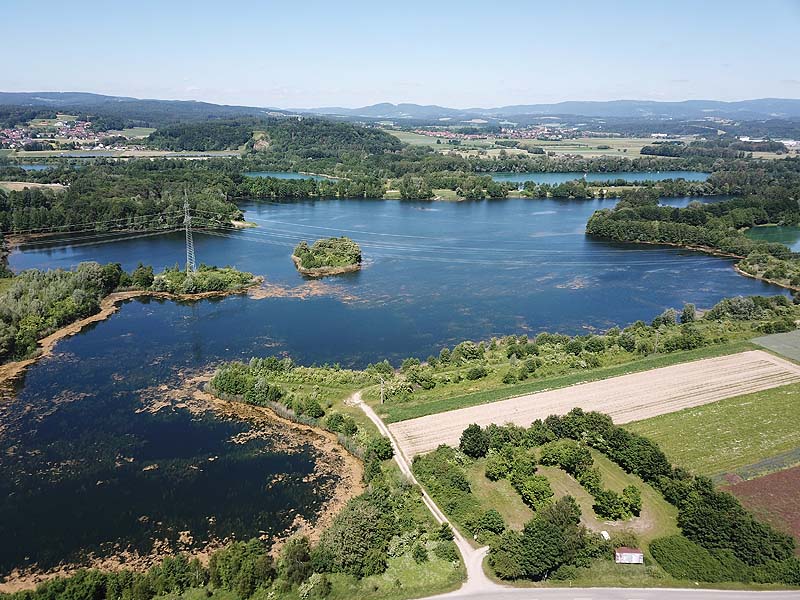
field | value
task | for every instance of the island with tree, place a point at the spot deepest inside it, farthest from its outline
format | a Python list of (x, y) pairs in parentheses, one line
[(329, 256)]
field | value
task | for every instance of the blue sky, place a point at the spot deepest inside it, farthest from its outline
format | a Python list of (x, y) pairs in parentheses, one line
[(460, 54)]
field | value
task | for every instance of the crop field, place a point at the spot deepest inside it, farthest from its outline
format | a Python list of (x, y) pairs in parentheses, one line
[(627, 398), (729, 434), (774, 498), (584, 146), (18, 186)]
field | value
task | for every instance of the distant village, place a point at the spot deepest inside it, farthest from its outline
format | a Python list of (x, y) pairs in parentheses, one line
[(58, 134)]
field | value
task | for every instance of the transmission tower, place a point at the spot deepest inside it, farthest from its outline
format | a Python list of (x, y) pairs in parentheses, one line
[(187, 221)]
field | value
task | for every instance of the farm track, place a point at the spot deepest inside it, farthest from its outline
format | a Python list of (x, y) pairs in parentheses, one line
[(626, 398)]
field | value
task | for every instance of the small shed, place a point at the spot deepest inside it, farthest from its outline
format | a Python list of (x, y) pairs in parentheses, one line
[(628, 556)]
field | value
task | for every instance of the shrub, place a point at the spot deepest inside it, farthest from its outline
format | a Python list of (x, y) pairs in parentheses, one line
[(683, 559), (474, 441), (381, 448), (446, 550), (477, 372), (419, 553)]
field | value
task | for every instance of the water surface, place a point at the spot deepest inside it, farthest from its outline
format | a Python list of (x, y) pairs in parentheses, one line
[(288, 175), (556, 178), (787, 235), (77, 448)]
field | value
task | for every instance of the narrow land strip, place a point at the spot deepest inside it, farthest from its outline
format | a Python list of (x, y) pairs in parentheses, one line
[(626, 398)]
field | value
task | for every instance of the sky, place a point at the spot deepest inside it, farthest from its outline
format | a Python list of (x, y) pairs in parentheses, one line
[(461, 54)]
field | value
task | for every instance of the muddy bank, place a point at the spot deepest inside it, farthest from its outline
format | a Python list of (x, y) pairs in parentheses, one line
[(337, 477), (108, 306)]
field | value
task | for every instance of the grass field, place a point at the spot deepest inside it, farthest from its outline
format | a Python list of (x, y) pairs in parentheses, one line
[(657, 519), (5, 283), (499, 495), (729, 434), (132, 132), (585, 146), (491, 390)]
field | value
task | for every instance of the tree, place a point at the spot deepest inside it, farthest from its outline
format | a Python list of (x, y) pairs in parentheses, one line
[(535, 491), (688, 314), (632, 499), (142, 277), (544, 547), (295, 560), (381, 448), (474, 441), (506, 556), (491, 521)]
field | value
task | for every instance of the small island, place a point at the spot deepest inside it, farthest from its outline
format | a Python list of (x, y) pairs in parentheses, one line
[(329, 256)]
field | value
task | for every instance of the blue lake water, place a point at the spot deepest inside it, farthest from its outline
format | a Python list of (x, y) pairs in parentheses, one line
[(556, 178), (34, 167), (287, 175), (77, 428)]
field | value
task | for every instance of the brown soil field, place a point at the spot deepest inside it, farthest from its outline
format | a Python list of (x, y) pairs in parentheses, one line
[(774, 498), (18, 186), (626, 398)]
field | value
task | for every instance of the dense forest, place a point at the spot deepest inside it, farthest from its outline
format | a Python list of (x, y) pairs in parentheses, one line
[(204, 136)]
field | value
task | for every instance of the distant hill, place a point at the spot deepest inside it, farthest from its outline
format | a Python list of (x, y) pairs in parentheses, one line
[(764, 108), (133, 111), (157, 113)]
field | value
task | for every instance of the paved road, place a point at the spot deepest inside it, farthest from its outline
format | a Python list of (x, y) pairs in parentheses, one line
[(617, 594), (479, 587)]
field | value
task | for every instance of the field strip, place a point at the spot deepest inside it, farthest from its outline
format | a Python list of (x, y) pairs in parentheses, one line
[(625, 398)]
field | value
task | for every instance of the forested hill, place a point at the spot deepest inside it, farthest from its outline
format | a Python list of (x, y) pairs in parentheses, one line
[(303, 138)]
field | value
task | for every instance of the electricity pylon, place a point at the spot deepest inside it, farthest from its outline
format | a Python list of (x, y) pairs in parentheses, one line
[(187, 221)]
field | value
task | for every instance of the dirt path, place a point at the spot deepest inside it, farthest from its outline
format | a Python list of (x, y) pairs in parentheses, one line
[(626, 398), (477, 582)]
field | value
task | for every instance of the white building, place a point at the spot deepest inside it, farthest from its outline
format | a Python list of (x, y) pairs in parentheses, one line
[(628, 556)]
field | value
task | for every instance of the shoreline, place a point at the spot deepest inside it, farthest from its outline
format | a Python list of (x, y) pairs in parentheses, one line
[(324, 271), (336, 460), (715, 252), (108, 306)]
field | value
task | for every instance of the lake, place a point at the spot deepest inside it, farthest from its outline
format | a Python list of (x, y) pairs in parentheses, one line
[(556, 178), (287, 175), (790, 236), (81, 429)]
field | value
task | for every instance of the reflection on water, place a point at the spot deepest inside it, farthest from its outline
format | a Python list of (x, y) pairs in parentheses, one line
[(789, 236), (556, 178)]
